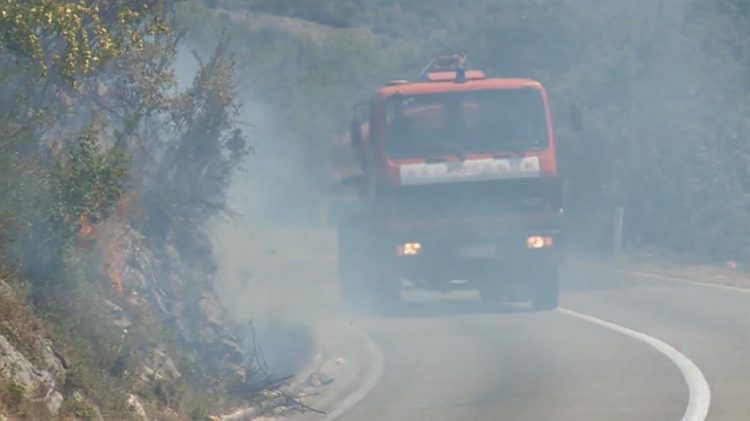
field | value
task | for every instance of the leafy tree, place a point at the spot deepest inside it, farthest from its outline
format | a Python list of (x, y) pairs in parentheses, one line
[(89, 116), (200, 146), (86, 181), (76, 36)]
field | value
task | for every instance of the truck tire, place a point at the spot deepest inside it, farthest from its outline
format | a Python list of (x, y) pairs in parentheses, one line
[(545, 293)]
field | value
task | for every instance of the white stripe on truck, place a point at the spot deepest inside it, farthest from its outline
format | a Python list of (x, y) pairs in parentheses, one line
[(469, 170)]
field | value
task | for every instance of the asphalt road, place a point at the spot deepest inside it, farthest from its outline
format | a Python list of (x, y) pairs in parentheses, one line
[(456, 359)]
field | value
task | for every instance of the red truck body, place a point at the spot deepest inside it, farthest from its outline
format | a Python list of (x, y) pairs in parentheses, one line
[(459, 185)]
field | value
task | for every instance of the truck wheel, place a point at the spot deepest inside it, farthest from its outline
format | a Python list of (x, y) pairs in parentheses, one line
[(545, 294)]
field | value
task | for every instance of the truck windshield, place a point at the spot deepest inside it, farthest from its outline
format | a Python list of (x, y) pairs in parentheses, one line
[(465, 122)]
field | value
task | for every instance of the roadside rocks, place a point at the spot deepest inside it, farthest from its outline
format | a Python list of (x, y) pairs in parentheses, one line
[(318, 379)]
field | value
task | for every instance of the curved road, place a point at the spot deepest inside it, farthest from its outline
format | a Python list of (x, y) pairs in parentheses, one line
[(457, 359)]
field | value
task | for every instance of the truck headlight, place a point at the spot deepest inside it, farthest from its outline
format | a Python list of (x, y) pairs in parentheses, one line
[(538, 242), (409, 249)]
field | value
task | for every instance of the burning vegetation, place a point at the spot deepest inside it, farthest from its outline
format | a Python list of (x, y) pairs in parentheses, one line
[(107, 194)]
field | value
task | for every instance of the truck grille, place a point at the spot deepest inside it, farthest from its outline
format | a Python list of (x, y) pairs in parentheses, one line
[(473, 199)]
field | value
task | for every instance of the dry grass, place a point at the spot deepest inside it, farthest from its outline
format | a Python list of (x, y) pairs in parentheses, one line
[(84, 340), (18, 323), (19, 404)]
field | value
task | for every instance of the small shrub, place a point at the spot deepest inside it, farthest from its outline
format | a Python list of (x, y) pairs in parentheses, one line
[(13, 396), (78, 408)]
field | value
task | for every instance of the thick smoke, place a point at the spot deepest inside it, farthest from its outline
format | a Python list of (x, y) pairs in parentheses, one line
[(274, 259), (660, 123)]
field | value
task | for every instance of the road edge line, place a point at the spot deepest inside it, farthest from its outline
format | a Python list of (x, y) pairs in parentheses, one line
[(699, 392), (663, 277), (372, 378)]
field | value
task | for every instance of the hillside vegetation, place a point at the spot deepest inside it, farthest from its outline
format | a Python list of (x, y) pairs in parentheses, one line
[(663, 85), (117, 158), (109, 175)]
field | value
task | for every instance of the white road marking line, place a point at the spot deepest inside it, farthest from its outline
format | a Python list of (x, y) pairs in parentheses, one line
[(699, 393), (680, 280), (372, 378), (665, 278)]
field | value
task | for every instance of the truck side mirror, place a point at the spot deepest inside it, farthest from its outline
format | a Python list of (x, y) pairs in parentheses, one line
[(576, 117), (356, 134)]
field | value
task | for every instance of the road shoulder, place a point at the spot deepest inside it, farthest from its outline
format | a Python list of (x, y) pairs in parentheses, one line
[(727, 276), (348, 364)]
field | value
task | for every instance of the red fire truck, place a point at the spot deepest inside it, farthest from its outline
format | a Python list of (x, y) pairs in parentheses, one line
[(457, 187)]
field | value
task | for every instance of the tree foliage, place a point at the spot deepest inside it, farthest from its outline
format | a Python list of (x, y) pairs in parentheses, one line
[(86, 181), (121, 124), (76, 36), (104, 160), (205, 146)]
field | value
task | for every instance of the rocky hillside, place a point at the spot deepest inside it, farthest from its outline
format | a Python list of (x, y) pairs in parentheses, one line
[(110, 176)]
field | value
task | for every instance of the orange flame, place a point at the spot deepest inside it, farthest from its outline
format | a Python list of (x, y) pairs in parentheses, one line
[(114, 270), (91, 235), (86, 232), (114, 264)]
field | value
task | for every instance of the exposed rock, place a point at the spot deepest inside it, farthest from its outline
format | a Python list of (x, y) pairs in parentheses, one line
[(19, 369), (161, 300), (207, 335), (160, 366), (318, 379), (212, 310), (53, 400), (163, 278), (135, 277), (97, 414), (186, 334), (54, 361), (136, 408), (115, 315), (5, 289), (232, 349)]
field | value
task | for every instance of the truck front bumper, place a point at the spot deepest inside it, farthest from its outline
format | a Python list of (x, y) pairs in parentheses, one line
[(476, 258)]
